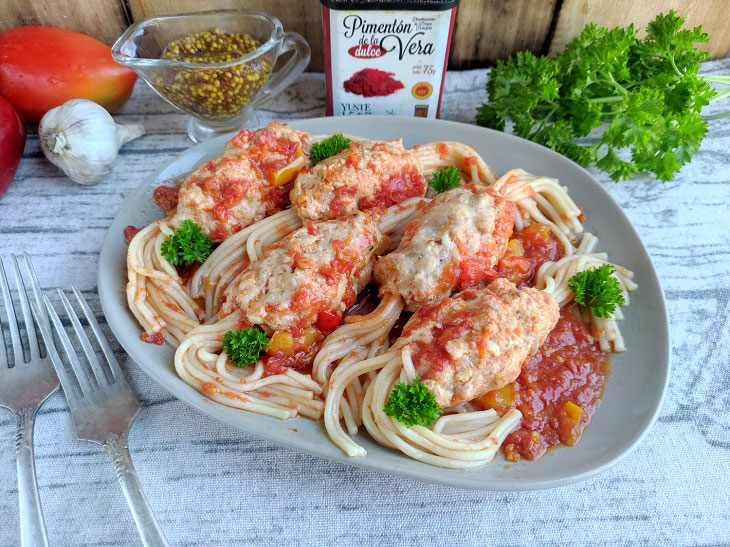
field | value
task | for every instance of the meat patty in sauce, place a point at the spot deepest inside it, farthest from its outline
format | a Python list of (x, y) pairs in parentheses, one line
[(238, 187), (369, 174), (316, 269), (454, 243), (465, 346)]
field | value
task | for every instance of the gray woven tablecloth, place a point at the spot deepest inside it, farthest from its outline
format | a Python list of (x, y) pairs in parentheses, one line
[(210, 484)]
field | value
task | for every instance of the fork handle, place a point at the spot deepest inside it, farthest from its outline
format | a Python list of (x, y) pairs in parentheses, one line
[(32, 528), (149, 530)]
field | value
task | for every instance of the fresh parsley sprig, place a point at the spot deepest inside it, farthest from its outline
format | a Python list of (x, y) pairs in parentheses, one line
[(444, 179), (412, 404), (328, 147), (187, 244), (244, 347), (645, 95), (598, 290)]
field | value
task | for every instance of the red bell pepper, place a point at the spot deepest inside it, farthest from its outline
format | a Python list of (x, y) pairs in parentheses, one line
[(12, 142), (43, 67)]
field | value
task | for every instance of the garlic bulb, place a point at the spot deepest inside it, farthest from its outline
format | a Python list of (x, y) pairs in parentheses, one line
[(81, 138)]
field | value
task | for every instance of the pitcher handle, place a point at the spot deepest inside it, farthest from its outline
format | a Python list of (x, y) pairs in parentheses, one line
[(280, 79)]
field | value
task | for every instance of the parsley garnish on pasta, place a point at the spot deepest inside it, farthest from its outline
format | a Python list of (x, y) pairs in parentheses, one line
[(412, 404), (244, 346), (187, 244), (444, 179), (328, 147), (598, 290)]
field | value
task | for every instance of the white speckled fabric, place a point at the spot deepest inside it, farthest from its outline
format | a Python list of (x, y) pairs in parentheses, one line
[(213, 485)]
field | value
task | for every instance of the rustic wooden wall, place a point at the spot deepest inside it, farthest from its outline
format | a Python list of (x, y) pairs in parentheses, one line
[(713, 15), (486, 30)]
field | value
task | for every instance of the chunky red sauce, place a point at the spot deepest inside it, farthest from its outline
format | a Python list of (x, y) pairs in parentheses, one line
[(269, 154), (166, 197), (527, 250), (557, 391), (301, 361), (155, 338), (129, 233), (185, 272), (299, 356), (409, 183), (342, 196)]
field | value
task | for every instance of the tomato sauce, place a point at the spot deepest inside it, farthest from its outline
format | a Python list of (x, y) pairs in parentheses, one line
[(408, 184), (296, 353), (129, 233), (166, 197), (155, 338), (301, 361), (342, 195), (527, 250), (557, 391)]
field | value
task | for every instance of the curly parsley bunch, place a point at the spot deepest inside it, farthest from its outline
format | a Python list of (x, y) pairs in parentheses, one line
[(645, 94)]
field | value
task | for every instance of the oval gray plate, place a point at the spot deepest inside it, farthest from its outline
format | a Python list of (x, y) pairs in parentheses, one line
[(634, 390)]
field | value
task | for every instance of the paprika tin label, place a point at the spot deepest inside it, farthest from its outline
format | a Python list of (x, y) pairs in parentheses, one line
[(386, 57)]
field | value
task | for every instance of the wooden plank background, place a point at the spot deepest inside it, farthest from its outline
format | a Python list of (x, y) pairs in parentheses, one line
[(486, 30)]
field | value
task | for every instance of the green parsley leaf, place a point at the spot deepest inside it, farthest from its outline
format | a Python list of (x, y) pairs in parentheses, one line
[(328, 147), (245, 346), (445, 179), (412, 404), (598, 290), (641, 96), (187, 245)]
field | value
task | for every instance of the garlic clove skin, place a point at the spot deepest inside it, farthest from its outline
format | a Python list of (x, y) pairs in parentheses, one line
[(80, 138)]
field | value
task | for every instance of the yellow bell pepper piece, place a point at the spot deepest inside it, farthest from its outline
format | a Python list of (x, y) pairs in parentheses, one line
[(502, 397), (383, 246), (573, 411), (281, 342), (308, 337), (515, 248), (287, 173)]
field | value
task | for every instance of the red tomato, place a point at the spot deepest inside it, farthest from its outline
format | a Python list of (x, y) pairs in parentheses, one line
[(327, 321), (42, 68), (12, 142)]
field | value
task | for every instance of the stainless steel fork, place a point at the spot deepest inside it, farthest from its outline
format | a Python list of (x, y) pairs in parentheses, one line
[(24, 386), (104, 408)]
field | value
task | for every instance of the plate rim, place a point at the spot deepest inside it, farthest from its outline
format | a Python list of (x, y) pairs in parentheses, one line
[(453, 480)]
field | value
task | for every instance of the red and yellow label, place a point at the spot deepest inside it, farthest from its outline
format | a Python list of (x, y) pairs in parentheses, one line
[(422, 90)]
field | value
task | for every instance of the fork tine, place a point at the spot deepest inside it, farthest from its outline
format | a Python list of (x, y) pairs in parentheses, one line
[(25, 308), (3, 353), (37, 293), (105, 347), (85, 344), (81, 377), (12, 322), (44, 326)]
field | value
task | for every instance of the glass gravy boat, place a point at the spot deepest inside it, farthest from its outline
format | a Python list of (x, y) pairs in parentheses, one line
[(169, 53)]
